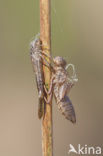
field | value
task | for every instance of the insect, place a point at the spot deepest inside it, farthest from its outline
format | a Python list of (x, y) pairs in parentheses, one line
[(37, 62), (61, 82), (60, 85)]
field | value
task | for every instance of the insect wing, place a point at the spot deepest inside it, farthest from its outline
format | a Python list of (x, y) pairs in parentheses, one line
[(35, 51)]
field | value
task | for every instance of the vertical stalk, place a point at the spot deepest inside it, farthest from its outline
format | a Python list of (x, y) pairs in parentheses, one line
[(45, 36)]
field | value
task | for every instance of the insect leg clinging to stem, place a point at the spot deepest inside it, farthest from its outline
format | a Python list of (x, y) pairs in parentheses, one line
[(61, 82)]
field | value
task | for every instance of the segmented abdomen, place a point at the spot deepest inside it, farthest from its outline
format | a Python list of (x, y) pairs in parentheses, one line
[(67, 109), (65, 105)]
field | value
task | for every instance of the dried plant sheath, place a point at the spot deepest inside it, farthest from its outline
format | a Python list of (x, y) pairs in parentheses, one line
[(35, 52), (45, 36)]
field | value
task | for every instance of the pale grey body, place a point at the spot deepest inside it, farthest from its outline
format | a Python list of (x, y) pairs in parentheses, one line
[(35, 52)]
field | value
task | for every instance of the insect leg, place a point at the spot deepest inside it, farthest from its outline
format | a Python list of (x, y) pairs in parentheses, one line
[(49, 99), (47, 55), (47, 63), (50, 91), (51, 86)]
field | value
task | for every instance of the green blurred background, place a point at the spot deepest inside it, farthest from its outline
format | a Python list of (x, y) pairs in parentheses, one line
[(77, 34)]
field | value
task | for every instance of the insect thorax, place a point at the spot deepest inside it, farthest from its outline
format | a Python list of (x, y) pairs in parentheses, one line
[(60, 75)]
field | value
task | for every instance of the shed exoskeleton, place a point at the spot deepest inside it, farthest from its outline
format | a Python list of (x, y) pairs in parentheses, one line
[(61, 82), (60, 85)]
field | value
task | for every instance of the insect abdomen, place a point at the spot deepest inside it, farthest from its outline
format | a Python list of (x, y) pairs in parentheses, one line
[(40, 108), (67, 109)]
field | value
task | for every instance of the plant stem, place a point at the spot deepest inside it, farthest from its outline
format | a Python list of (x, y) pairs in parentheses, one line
[(45, 36)]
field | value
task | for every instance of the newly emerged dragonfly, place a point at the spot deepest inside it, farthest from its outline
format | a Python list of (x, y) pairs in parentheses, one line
[(61, 82), (37, 62)]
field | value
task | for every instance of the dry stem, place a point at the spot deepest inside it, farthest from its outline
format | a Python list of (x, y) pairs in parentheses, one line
[(45, 36)]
